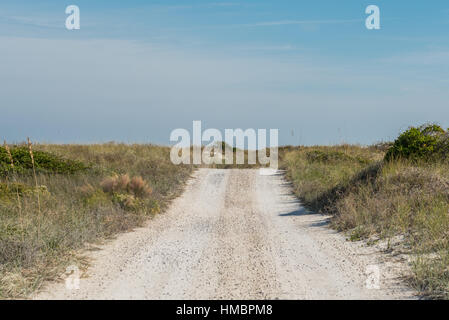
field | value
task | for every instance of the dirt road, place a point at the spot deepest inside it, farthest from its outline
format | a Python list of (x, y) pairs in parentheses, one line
[(235, 234)]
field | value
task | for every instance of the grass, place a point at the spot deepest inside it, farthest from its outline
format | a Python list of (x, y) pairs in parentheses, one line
[(79, 194), (368, 196)]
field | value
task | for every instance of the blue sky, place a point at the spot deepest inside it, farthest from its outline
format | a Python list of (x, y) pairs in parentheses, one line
[(136, 70)]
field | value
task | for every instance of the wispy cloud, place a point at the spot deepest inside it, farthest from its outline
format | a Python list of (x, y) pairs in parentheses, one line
[(197, 6), (224, 4), (286, 47), (294, 22), (278, 23), (31, 21), (427, 58)]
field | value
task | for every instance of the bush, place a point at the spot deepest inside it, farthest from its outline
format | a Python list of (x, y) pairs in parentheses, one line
[(423, 143), (44, 162)]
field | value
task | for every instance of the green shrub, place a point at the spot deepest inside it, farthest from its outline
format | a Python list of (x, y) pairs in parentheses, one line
[(442, 146), (423, 143), (44, 162)]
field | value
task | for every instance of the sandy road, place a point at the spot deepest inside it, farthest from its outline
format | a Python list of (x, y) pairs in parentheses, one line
[(234, 234)]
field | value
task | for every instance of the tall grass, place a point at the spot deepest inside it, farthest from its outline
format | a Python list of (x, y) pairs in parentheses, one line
[(30, 149), (48, 213), (369, 197)]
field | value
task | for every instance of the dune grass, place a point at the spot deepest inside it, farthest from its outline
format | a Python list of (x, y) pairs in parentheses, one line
[(370, 197), (86, 193), (80, 194)]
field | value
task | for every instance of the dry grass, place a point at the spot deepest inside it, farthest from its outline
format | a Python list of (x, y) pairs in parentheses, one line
[(123, 184), (121, 187), (369, 197)]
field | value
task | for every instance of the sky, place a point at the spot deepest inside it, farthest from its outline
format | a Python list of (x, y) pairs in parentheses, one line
[(136, 70)]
